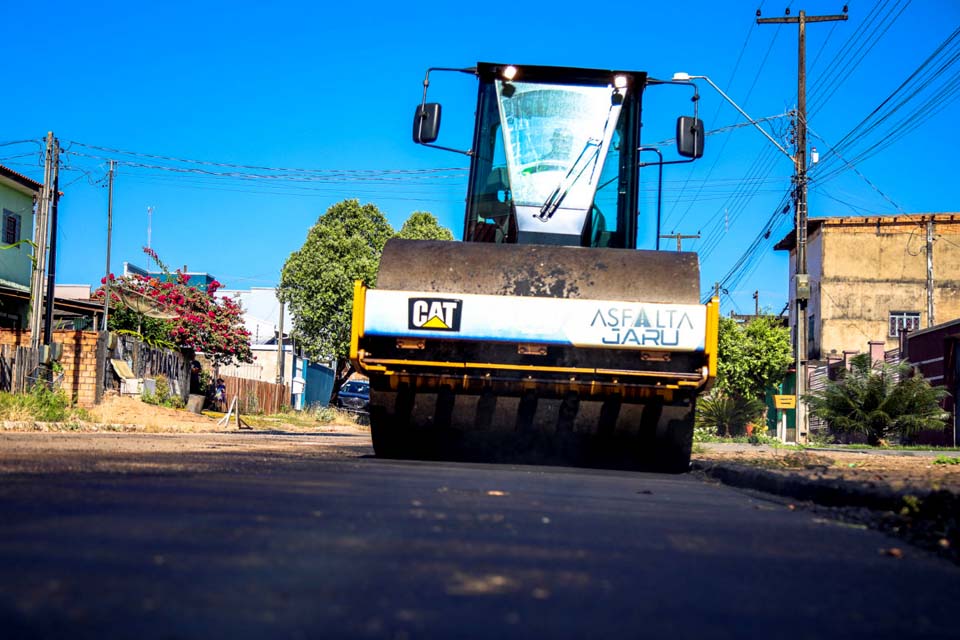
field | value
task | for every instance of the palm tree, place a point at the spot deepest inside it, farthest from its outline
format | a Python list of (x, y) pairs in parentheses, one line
[(880, 401)]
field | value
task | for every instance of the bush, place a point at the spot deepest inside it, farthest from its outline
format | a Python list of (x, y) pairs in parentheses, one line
[(726, 415), (326, 414), (880, 401), (162, 397)]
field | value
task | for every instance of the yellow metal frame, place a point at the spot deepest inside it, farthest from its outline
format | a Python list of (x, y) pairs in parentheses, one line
[(356, 323), (529, 368), (712, 339)]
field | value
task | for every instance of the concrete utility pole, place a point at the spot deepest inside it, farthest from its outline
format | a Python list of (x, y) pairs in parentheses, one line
[(52, 268), (280, 348), (680, 238), (930, 314), (756, 303), (106, 297), (40, 241), (802, 280)]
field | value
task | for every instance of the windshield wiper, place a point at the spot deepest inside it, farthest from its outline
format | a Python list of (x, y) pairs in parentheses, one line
[(554, 200)]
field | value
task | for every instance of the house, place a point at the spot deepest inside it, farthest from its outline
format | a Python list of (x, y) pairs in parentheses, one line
[(310, 382), (935, 353), (17, 196), (196, 279), (873, 276)]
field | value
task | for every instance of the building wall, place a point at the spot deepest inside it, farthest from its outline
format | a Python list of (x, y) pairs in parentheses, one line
[(261, 313), (815, 303), (79, 361), (869, 270), (264, 369), (15, 264)]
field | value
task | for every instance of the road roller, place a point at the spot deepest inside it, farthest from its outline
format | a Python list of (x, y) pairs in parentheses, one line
[(545, 335)]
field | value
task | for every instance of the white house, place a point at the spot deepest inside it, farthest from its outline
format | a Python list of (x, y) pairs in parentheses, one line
[(261, 316)]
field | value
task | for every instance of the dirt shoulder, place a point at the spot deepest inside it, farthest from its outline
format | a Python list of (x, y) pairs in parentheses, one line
[(905, 493), (893, 470), (174, 453), (125, 435)]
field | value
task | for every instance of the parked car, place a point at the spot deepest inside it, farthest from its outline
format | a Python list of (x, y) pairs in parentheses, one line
[(354, 396)]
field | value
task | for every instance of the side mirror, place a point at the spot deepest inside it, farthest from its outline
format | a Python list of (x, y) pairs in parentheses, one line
[(690, 137), (426, 123)]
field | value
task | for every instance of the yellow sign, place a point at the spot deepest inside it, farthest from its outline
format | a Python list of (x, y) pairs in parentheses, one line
[(785, 402)]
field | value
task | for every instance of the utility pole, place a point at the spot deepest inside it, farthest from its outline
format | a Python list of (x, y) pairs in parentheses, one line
[(802, 279), (40, 242), (756, 303), (680, 238), (930, 319), (106, 297), (52, 268), (280, 348)]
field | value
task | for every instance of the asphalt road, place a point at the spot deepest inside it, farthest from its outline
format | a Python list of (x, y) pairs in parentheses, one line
[(350, 546)]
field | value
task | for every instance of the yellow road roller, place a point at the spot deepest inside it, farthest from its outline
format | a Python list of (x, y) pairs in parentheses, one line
[(546, 335)]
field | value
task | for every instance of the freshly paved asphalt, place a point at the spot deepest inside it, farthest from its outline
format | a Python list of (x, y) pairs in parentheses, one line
[(360, 547)]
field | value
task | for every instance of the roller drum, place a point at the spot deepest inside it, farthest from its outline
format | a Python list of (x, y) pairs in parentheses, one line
[(540, 271), (408, 421)]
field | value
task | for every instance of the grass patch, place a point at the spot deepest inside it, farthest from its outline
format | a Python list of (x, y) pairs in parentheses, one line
[(317, 418), (889, 447), (40, 404), (946, 460)]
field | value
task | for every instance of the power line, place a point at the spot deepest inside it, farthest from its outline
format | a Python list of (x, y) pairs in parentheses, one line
[(258, 167)]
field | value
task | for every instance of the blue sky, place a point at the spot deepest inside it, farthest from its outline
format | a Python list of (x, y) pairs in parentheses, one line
[(332, 87)]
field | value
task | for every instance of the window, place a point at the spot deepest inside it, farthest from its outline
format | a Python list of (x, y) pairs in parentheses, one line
[(813, 344), (11, 227), (909, 320)]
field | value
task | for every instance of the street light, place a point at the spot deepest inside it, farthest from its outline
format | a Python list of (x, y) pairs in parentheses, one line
[(681, 76)]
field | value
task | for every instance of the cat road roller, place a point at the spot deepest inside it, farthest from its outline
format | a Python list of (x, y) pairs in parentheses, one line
[(545, 335)]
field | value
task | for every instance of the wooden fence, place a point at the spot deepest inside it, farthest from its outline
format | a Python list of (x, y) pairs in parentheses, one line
[(18, 368), (256, 396)]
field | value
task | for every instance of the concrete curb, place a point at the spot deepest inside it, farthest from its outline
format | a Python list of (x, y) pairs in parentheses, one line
[(927, 518), (827, 492)]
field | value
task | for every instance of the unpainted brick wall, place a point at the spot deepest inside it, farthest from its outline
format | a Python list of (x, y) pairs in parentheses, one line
[(79, 361)]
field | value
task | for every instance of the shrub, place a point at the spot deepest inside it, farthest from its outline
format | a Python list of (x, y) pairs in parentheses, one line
[(162, 396), (880, 401), (726, 415)]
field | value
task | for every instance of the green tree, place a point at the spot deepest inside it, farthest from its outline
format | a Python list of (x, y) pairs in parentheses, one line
[(317, 281), (752, 357), (423, 225), (879, 400)]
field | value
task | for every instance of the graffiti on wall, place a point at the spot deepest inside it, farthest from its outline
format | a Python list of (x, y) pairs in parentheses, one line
[(149, 362)]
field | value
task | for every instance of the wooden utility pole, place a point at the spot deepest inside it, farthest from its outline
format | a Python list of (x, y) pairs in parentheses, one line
[(40, 241), (106, 286), (802, 280), (680, 238)]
